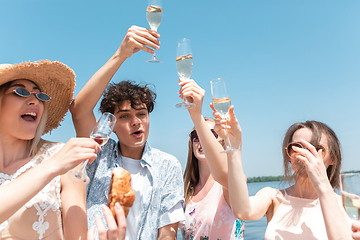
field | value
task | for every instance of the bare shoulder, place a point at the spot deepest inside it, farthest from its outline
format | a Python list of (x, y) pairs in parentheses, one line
[(268, 194), (268, 191)]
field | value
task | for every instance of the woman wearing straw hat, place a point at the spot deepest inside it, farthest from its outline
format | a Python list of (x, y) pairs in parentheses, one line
[(37, 201)]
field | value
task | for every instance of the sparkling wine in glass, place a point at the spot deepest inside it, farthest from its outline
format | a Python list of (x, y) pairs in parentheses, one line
[(350, 194), (154, 15), (100, 134), (184, 64), (221, 103)]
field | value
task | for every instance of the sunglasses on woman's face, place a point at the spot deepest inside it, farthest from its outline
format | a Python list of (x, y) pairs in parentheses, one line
[(195, 137), (292, 154), (22, 92)]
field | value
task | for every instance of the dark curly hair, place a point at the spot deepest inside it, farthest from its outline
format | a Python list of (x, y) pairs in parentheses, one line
[(137, 94)]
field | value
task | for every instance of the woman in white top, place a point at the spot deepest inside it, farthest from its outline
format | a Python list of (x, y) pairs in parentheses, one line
[(309, 209), (37, 201)]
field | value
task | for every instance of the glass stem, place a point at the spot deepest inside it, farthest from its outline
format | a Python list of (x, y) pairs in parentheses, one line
[(228, 145), (82, 169), (154, 55)]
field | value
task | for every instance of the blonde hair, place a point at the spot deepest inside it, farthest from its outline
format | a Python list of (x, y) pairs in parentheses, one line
[(191, 173), (34, 144)]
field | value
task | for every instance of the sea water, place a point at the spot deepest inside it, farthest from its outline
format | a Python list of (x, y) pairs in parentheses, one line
[(255, 230)]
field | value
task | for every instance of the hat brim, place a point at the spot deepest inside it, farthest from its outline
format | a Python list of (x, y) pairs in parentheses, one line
[(53, 78)]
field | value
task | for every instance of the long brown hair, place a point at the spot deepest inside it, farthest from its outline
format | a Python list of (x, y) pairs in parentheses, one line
[(317, 129), (191, 173)]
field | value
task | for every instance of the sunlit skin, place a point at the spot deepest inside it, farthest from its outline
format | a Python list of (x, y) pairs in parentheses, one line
[(18, 126), (206, 180), (197, 149), (22, 114), (311, 183), (306, 134), (131, 128), (303, 186)]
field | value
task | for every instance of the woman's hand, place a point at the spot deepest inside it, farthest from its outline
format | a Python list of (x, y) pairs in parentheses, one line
[(313, 162), (115, 231), (139, 38), (231, 125), (74, 152), (315, 166), (194, 94)]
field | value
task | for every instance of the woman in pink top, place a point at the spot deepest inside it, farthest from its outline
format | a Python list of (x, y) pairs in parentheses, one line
[(309, 209), (208, 215)]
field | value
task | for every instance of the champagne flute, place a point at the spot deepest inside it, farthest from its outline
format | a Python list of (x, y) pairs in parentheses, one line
[(221, 103), (350, 194), (100, 134), (184, 63), (154, 15)]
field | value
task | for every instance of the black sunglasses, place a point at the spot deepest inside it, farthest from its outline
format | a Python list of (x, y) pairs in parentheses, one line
[(292, 154), (195, 137), (22, 92)]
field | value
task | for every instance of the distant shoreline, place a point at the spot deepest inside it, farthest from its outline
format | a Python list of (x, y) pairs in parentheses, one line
[(277, 178), (264, 179)]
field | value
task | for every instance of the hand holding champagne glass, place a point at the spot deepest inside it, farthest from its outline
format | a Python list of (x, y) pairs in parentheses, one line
[(350, 194), (221, 103), (154, 15), (184, 63), (100, 134)]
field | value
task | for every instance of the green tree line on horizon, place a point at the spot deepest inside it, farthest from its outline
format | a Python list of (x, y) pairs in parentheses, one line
[(278, 178)]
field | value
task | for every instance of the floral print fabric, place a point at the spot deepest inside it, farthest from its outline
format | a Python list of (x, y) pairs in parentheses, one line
[(211, 218), (164, 191)]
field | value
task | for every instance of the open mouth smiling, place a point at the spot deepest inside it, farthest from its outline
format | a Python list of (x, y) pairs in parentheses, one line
[(201, 150), (29, 117)]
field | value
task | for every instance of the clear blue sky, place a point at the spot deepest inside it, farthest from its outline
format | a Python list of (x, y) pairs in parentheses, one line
[(284, 61)]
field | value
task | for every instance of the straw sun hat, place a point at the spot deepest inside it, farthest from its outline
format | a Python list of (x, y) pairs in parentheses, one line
[(53, 78)]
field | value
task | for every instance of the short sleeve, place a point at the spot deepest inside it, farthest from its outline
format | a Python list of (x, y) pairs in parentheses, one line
[(175, 214), (172, 200)]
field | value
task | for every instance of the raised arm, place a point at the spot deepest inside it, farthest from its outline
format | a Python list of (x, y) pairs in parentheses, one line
[(136, 38), (217, 161), (329, 202), (244, 207)]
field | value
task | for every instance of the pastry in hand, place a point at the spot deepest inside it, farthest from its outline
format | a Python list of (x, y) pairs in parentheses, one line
[(120, 190)]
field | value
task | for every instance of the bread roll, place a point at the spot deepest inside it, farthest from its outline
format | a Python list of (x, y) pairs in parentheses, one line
[(120, 190)]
